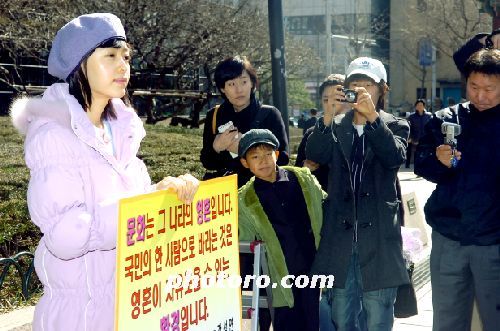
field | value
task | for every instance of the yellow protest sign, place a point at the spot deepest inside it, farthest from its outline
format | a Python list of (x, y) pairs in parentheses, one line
[(165, 246)]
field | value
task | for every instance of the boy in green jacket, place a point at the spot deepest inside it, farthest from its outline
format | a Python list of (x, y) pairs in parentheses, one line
[(282, 206)]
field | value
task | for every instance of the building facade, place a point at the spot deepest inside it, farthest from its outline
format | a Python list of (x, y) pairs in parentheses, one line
[(338, 31), (415, 39), (424, 35)]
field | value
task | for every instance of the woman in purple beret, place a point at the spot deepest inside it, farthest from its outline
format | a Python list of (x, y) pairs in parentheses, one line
[(82, 139)]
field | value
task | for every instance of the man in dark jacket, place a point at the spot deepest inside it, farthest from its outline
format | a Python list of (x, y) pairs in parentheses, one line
[(417, 121), (464, 209), (361, 235)]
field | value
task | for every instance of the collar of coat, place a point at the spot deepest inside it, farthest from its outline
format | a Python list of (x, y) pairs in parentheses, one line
[(58, 106), (343, 130)]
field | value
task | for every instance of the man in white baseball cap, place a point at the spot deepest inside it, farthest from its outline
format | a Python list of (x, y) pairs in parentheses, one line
[(364, 148), (369, 67)]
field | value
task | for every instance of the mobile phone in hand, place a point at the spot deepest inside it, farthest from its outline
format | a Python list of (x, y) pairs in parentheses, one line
[(228, 126)]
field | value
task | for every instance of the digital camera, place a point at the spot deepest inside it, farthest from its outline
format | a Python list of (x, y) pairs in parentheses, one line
[(351, 96), (451, 131)]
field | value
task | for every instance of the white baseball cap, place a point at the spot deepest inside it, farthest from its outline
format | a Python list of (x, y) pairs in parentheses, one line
[(368, 67)]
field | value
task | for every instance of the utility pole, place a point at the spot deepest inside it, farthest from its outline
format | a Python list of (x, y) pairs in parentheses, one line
[(433, 81), (277, 42), (328, 34)]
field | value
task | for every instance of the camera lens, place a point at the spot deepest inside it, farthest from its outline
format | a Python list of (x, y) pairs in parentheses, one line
[(350, 96)]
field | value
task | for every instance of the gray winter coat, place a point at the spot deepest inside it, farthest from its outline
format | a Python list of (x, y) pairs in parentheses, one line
[(379, 233)]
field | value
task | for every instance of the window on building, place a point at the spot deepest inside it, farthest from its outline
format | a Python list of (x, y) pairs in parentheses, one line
[(351, 23), (305, 25)]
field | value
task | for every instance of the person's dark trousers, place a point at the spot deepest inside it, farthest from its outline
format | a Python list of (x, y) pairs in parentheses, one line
[(409, 151), (458, 275), (264, 319), (304, 316)]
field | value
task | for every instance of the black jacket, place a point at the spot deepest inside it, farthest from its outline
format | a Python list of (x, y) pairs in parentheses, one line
[(219, 164), (417, 125), (321, 173), (465, 206), (309, 124), (378, 219)]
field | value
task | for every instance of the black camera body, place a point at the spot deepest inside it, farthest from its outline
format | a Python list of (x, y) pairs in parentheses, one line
[(351, 96)]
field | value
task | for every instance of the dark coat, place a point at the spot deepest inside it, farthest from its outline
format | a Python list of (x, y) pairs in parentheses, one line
[(321, 173), (465, 204), (309, 124), (378, 220), (417, 125), (470, 47)]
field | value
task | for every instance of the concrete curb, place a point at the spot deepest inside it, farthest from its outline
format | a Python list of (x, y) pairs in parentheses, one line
[(17, 320)]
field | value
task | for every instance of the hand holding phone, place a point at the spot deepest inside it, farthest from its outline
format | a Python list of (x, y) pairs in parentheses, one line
[(227, 126), (228, 133)]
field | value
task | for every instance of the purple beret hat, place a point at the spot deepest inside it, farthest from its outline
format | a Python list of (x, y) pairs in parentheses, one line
[(78, 37)]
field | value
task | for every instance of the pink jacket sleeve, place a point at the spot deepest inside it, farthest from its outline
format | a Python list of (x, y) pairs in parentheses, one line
[(56, 203), (57, 198)]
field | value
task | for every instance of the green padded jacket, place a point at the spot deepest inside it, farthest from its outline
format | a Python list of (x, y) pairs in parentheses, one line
[(254, 225)]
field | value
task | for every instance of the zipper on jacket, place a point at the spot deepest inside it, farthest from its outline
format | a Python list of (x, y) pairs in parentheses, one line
[(355, 227)]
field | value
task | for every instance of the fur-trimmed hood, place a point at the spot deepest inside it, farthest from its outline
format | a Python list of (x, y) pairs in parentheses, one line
[(59, 112), (57, 105), (25, 110)]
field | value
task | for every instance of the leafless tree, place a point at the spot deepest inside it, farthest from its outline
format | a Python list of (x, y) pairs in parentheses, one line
[(175, 37), (178, 34), (448, 24)]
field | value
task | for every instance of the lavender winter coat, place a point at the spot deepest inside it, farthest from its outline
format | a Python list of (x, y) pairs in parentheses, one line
[(72, 196)]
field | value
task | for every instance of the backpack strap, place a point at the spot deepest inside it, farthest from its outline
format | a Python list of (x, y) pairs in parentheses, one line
[(214, 119)]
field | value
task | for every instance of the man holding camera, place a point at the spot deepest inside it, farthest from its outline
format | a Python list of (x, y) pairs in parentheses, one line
[(461, 154), (361, 236)]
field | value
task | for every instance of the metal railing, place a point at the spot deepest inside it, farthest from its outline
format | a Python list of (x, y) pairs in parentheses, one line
[(252, 303), (24, 270)]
